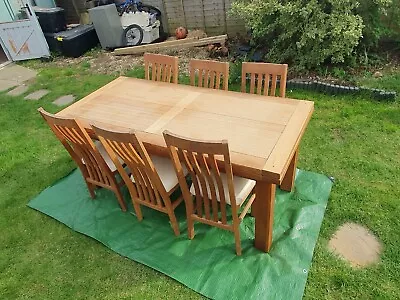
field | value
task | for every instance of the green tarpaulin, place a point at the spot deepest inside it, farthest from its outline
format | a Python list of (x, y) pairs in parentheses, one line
[(206, 264)]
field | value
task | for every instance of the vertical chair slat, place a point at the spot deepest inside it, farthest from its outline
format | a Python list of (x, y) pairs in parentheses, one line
[(273, 84), (203, 164), (201, 178), (218, 81), (266, 84), (212, 81), (153, 71), (164, 73), (200, 80), (146, 70), (259, 83), (217, 176), (252, 83), (159, 68), (169, 73)]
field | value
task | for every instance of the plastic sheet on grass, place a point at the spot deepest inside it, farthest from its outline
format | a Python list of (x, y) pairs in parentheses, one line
[(206, 264)]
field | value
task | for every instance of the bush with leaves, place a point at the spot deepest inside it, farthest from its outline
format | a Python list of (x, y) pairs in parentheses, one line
[(306, 33)]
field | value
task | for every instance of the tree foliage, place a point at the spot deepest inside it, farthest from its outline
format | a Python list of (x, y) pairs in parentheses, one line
[(308, 33)]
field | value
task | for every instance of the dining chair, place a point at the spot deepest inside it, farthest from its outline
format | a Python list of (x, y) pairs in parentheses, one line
[(96, 166), (161, 67), (209, 74), (264, 77), (214, 186), (152, 180)]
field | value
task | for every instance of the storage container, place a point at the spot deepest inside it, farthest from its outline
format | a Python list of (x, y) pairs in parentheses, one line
[(51, 19), (73, 42)]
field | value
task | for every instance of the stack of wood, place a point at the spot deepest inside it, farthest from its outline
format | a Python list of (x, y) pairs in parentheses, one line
[(213, 41)]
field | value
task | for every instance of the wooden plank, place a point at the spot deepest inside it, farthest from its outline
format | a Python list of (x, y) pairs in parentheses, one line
[(155, 46), (180, 44)]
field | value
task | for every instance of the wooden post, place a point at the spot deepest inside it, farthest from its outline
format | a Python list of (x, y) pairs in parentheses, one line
[(264, 214)]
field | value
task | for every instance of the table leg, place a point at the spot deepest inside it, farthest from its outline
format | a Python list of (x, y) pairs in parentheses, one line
[(264, 214), (288, 181)]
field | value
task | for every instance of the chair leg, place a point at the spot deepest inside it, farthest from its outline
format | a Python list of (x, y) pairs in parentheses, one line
[(190, 226), (120, 198), (91, 188), (189, 220), (138, 210), (174, 223), (237, 242)]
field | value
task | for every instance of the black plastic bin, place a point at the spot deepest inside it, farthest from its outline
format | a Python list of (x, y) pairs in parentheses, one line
[(73, 42), (51, 20)]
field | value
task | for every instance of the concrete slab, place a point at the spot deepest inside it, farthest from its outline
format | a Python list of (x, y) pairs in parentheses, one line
[(13, 75), (19, 90), (356, 244), (37, 95), (16, 73), (7, 84), (64, 100)]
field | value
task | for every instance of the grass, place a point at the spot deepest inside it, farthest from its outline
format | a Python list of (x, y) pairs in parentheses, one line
[(354, 140)]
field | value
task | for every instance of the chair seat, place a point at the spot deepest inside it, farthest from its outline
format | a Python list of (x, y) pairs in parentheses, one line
[(242, 186), (106, 157), (166, 171)]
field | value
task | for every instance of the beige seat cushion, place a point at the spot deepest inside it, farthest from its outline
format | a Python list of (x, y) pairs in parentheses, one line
[(106, 157), (242, 186), (166, 171)]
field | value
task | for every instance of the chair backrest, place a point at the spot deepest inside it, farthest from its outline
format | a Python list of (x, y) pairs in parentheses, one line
[(200, 159), (161, 67), (80, 146), (266, 76), (148, 186), (209, 74)]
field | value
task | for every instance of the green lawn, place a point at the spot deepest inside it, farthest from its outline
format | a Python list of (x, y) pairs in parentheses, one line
[(355, 140)]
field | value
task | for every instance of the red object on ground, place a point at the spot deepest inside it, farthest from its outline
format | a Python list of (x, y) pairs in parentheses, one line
[(181, 33)]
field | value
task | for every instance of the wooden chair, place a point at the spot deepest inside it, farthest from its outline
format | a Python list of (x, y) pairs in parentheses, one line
[(266, 76), (210, 72), (96, 166), (200, 159), (152, 180), (161, 67)]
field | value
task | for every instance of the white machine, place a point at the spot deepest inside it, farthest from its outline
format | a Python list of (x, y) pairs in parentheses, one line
[(139, 28), (130, 29)]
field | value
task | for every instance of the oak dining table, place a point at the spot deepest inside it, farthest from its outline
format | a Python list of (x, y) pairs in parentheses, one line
[(263, 132)]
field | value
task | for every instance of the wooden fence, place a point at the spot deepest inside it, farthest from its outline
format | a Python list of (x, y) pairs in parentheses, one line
[(212, 16)]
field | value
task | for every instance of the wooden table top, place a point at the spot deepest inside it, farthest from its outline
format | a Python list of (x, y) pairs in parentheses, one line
[(263, 132)]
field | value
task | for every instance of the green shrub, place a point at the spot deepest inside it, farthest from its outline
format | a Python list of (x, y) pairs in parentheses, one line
[(308, 33)]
